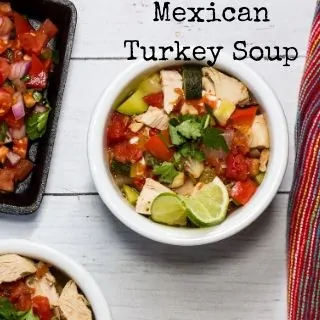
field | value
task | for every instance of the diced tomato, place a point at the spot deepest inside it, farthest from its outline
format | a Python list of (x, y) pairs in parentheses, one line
[(158, 147), (4, 69), (33, 42), (243, 116), (22, 170), (36, 66), (125, 152), (243, 191), (5, 102), (6, 180), (20, 147), (155, 100), (117, 128), (49, 28), (41, 307), (11, 120), (20, 295), (237, 167), (239, 143), (38, 74), (38, 82), (139, 183), (21, 23)]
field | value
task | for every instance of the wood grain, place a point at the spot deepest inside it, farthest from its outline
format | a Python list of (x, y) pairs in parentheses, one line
[(87, 79), (239, 278)]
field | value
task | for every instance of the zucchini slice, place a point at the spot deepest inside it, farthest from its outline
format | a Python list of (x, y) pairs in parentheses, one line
[(192, 81)]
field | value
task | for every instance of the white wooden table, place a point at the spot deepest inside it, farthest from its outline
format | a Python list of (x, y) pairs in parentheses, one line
[(240, 278)]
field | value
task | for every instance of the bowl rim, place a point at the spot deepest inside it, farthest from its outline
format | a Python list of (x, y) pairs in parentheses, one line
[(165, 234), (68, 266)]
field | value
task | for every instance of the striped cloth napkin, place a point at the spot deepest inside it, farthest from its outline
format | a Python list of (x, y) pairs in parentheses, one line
[(304, 201)]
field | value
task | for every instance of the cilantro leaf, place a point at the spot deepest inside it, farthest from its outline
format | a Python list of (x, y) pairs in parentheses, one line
[(190, 129), (37, 125), (166, 172), (190, 151), (213, 138), (3, 131), (176, 138)]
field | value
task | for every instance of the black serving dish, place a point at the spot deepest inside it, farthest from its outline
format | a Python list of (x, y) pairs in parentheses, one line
[(28, 194)]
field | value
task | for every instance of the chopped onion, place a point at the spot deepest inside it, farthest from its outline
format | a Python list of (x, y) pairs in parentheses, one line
[(19, 85), (18, 133), (19, 69), (40, 108), (228, 136), (18, 107), (13, 158), (8, 138)]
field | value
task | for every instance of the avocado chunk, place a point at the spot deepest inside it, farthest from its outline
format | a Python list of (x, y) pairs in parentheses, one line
[(134, 104), (131, 194)]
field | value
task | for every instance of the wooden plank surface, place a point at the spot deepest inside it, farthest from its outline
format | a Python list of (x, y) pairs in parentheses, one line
[(87, 78), (104, 25), (239, 278)]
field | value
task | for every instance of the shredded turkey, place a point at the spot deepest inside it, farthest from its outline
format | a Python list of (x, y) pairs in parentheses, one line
[(258, 136), (14, 267), (73, 305), (171, 83), (45, 286), (264, 159), (223, 86), (150, 191), (154, 118)]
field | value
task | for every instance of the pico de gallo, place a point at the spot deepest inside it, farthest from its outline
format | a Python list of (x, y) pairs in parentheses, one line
[(25, 64), (178, 131), (34, 290)]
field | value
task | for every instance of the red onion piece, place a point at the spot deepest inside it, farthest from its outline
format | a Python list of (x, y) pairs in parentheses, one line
[(19, 85), (13, 158), (19, 69), (6, 26), (40, 108), (18, 133), (18, 107)]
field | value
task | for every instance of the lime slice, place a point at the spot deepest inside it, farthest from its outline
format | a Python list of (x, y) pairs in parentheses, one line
[(208, 207), (169, 209), (224, 111)]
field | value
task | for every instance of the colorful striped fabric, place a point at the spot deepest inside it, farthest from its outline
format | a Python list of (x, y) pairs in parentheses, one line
[(304, 201)]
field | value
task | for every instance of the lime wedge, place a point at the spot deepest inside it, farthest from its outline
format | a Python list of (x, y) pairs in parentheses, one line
[(169, 209), (208, 207)]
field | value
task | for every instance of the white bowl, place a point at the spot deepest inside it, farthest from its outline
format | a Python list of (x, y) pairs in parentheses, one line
[(238, 220), (70, 268)]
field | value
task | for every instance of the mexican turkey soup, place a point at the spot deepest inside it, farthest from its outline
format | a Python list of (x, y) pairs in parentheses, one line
[(33, 290), (188, 146)]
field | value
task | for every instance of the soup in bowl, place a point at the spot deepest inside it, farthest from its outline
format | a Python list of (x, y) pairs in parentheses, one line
[(39, 283), (189, 148)]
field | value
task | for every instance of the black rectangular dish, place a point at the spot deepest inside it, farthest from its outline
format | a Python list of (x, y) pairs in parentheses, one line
[(28, 194)]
